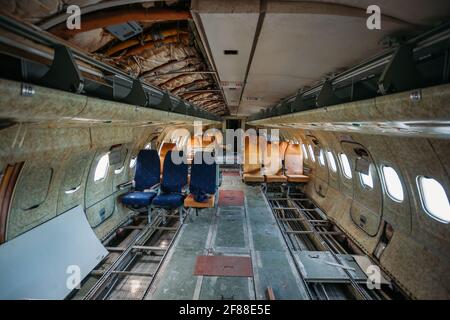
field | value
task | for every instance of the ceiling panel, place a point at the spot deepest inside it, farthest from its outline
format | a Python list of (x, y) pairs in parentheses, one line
[(229, 25), (300, 42)]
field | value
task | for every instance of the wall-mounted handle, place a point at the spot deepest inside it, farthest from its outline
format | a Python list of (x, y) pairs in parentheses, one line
[(73, 190)]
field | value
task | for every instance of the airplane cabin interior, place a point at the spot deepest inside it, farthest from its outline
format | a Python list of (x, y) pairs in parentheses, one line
[(224, 150)]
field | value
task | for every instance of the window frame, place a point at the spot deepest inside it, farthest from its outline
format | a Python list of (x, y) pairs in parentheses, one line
[(132, 163), (386, 185), (305, 152), (103, 156), (311, 153), (343, 166), (423, 200), (331, 161), (321, 158)]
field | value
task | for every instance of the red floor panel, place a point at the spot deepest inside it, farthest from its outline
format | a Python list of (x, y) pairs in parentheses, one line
[(231, 198), (226, 266)]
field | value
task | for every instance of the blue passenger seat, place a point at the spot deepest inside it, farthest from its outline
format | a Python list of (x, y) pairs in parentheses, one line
[(174, 179), (204, 182), (146, 177)]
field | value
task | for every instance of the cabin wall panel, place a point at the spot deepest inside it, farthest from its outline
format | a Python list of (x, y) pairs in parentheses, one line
[(35, 196), (75, 175), (412, 264), (46, 104), (410, 136), (70, 153), (30, 141), (99, 201), (124, 175), (384, 150), (327, 144), (337, 206), (417, 239), (422, 160)]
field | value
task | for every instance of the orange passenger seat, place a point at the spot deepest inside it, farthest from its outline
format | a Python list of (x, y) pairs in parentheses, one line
[(293, 162), (252, 161), (273, 162)]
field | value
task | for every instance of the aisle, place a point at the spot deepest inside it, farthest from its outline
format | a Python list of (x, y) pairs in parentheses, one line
[(241, 226)]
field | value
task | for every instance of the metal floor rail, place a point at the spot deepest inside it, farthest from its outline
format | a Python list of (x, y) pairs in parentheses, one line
[(125, 264), (306, 228)]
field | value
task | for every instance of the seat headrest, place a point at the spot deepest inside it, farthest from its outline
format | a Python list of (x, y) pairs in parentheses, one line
[(148, 169), (175, 172), (203, 173)]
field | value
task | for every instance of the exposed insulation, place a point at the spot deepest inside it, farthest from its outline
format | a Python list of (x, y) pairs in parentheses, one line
[(92, 40), (38, 10), (158, 56), (152, 58), (180, 80)]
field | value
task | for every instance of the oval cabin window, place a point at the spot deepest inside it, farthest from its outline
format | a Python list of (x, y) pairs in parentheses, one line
[(434, 199), (102, 168), (321, 158), (132, 162), (346, 166), (393, 184), (331, 161), (311, 152), (304, 152)]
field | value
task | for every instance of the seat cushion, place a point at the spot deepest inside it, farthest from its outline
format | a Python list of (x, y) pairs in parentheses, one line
[(168, 200), (275, 178), (249, 177), (138, 198), (298, 178), (190, 202)]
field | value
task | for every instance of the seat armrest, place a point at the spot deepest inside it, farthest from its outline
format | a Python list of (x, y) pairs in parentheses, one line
[(155, 187)]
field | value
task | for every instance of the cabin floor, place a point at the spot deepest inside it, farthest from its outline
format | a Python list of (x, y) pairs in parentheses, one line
[(250, 231), (168, 264)]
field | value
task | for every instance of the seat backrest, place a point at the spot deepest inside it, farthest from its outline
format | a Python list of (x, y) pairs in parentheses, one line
[(273, 158), (165, 147), (203, 175), (252, 155), (195, 142), (293, 159), (283, 147), (174, 175), (147, 170)]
